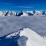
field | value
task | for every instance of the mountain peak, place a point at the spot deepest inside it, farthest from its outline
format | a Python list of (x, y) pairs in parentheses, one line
[(23, 13)]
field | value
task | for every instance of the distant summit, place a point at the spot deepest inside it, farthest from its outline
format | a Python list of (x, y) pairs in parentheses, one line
[(23, 13)]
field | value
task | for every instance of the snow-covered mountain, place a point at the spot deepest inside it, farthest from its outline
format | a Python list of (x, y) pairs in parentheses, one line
[(7, 13), (23, 31), (27, 37), (33, 38), (23, 13)]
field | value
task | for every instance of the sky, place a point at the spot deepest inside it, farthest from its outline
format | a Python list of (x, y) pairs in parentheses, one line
[(22, 5)]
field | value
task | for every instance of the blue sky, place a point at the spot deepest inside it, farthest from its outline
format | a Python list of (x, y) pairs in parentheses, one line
[(22, 5)]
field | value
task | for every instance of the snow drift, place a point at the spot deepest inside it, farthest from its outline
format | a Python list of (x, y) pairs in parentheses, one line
[(33, 38), (28, 37)]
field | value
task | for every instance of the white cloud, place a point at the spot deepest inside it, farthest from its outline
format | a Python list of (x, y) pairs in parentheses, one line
[(24, 7), (6, 4)]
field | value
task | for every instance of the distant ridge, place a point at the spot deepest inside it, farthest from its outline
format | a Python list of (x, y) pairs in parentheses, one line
[(23, 13)]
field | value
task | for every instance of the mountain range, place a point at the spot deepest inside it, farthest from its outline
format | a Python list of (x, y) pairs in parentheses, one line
[(23, 13)]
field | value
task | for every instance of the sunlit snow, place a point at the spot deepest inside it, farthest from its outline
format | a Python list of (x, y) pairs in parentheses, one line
[(29, 30), (33, 38)]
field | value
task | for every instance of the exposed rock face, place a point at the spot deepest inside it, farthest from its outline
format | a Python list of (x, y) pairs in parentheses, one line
[(19, 14)]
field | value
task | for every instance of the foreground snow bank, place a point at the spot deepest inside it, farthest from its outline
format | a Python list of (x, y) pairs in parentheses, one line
[(33, 38)]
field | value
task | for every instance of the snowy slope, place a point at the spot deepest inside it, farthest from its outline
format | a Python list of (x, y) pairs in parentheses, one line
[(33, 38), (9, 25), (12, 35), (24, 14), (28, 38)]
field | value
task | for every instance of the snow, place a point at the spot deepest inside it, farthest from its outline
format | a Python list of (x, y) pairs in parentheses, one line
[(30, 12), (39, 13), (25, 13), (44, 39), (33, 38), (11, 35), (33, 28), (2, 13)]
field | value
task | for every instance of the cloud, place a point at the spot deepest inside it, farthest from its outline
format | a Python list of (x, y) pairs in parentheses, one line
[(24, 7), (12, 5), (6, 4), (27, 7)]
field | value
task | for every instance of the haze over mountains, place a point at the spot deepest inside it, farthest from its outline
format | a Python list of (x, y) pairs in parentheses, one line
[(23, 13)]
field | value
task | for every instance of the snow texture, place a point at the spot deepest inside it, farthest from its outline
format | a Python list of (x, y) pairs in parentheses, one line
[(33, 38), (30, 28), (23, 13)]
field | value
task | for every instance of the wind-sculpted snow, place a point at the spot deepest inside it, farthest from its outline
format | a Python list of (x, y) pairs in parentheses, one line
[(26, 37), (33, 38)]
